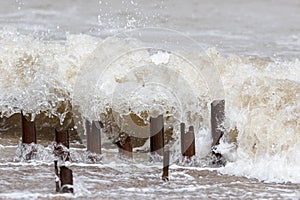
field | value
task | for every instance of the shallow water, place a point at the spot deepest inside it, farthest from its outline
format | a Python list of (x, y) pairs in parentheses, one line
[(115, 178)]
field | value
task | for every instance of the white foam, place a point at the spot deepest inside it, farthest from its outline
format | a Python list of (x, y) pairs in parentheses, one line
[(160, 58)]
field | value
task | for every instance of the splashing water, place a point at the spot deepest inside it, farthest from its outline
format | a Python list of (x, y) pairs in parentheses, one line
[(262, 95)]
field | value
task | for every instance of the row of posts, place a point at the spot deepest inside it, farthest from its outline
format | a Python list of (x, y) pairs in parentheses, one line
[(64, 177)]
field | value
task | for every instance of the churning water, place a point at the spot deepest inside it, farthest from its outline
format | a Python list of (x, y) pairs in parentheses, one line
[(159, 57)]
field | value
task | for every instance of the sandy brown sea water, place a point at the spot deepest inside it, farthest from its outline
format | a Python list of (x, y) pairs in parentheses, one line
[(115, 178)]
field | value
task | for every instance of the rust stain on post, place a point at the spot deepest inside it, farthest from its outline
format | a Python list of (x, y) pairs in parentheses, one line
[(217, 120), (157, 135), (28, 131)]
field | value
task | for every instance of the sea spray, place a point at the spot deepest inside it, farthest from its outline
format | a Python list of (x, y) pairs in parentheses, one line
[(263, 103), (36, 75)]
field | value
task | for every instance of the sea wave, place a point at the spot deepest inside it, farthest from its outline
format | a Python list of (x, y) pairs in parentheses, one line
[(262, 94)]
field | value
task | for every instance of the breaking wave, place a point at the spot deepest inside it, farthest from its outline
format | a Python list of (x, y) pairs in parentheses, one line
[(90, 75)]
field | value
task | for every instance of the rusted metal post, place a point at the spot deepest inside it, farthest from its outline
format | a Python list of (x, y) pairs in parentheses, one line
[(125, 150), (93, 137), (28, 131), (62, 142), (166, 164), (182, 134), (217, 120), (157, 135)]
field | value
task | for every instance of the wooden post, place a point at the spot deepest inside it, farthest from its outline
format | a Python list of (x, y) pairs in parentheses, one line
[(189, 143), (157, 135), (88, 134), (28, 131), (28, 136), (125, 150), (66, 180), (62, 140), (93, 137), (217, 120), (63, 179), (57, 179), (62, 137), (182, 134), (166, 164)]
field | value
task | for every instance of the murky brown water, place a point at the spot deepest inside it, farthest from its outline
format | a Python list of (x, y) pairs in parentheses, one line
[(115, 178)]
